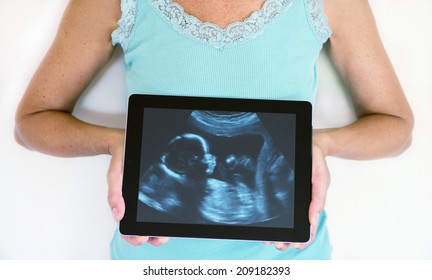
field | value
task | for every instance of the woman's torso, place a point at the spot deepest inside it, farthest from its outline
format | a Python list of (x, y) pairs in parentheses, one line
[(268, 52)]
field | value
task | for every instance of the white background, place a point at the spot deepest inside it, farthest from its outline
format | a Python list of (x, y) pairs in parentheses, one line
[(55, 208)]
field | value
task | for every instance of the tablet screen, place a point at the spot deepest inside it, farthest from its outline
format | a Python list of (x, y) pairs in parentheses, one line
[(205, 168), (213, 167)]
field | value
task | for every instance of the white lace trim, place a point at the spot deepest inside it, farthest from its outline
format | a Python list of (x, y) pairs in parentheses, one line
[(126, 23), (318, 20), (210, 33), (213, 34)]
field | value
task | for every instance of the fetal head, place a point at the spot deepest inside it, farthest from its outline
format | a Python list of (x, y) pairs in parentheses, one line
[(189, 154)]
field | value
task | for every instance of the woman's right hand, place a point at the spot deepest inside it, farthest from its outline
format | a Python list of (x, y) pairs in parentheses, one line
[(115, 197)]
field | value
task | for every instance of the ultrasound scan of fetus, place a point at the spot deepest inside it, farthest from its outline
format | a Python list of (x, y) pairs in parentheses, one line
[(223, 168)]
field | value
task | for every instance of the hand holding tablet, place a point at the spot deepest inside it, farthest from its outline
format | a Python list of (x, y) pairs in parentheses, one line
[(217, 168)]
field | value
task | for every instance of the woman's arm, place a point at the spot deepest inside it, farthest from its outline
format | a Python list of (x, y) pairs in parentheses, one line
[(385, 120), (81, 47), (43, 120)]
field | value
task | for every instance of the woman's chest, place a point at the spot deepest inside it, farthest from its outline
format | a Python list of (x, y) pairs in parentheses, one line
[(221, 12)]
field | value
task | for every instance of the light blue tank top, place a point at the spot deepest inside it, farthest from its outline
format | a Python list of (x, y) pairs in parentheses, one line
[(270, 55)]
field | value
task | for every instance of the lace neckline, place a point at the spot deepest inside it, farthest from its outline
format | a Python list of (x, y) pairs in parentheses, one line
[(214, 35)]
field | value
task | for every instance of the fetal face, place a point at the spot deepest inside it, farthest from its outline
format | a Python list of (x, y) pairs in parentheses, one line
[(188, 154)]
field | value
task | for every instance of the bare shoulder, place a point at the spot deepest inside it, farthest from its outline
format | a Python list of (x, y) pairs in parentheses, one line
[(349, 15), (354, 33), (91, 18)]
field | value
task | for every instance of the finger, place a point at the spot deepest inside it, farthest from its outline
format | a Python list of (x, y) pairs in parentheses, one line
[(115, 197), (116, 202), (320, 185), (135, 240), (319, 192), (117, 207), (158, 241), (281, 246)]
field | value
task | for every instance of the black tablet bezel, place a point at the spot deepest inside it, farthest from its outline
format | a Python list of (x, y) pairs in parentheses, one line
[(303, 165)]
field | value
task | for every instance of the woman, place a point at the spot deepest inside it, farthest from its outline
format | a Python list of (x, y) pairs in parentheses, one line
[(245, 48)]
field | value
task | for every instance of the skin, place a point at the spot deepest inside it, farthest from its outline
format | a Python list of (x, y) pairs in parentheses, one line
[(83, 46)]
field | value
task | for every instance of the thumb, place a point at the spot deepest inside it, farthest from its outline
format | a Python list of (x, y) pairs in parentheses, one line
[(115, 196), (117, 207)]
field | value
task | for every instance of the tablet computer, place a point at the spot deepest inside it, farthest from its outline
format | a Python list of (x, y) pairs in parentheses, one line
[(220, 168)]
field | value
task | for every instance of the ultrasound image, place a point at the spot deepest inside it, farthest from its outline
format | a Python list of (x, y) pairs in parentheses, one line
[(212, 167)]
